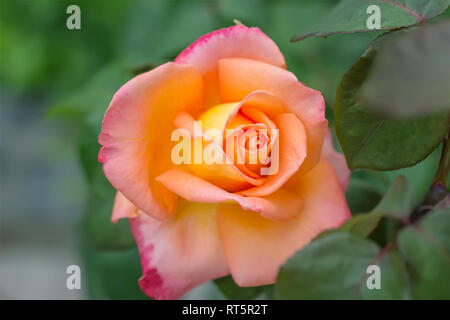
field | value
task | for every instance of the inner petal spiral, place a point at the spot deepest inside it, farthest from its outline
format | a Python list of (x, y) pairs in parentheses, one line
[(239, 139)]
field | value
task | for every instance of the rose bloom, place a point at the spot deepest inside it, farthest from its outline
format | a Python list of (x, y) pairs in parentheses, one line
[(194, 222)]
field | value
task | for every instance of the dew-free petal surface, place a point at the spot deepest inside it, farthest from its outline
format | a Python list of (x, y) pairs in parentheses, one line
[(256, 247), (239, 77), (280, 205), (179, 253), (234, 41), (136, 133)]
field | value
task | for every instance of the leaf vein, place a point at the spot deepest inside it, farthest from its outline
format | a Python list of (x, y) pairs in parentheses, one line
[(367, 138), (419, 18)]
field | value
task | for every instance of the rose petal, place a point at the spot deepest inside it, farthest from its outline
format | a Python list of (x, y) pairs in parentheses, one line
[(256, 247), (180, 253), (122, 208), (278, 206), (136, 133), (184, 120), (337, 160), (292, 152), (239, 77), (227, 174), (224, 175), (235, 41)]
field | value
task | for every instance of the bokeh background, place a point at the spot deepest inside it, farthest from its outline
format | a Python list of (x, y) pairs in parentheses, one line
[(55, 85)]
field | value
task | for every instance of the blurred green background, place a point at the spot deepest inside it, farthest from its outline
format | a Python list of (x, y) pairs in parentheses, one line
[(55, 85)]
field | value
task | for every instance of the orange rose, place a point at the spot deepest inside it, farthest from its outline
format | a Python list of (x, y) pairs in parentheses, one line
[(195, 220)]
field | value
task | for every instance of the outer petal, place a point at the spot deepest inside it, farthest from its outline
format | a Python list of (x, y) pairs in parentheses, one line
[(235, 41), (278, 206), (136, 133), (337, 160), (180, 253), (256, 247), (123, 208), (239, 77)]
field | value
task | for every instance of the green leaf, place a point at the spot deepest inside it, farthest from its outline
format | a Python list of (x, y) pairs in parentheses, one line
[(361, 195), (232, 291), (320, 64), (350, 16), (112, 274), (396, 203), (335, 267), (386, 231), (375, 143), (362, 224), (100, 232), (426, 247), (394, 278), (418, 67), (420, 176), (90, 102)]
